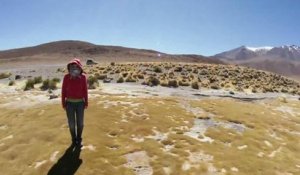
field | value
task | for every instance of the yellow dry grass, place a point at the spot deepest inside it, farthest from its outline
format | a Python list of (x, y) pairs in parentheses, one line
[(37, 135)]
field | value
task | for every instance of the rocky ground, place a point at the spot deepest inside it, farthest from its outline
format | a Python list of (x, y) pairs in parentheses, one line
[(165, 126)]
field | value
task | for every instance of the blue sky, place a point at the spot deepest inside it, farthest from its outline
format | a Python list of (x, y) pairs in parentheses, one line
[(202, 27)]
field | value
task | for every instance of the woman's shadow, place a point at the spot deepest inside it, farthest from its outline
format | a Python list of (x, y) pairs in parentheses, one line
[(69, 163)]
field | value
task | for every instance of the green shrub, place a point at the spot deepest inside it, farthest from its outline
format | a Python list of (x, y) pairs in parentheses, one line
[(92, 82), (130, 79), (37, 79), (59, 70), (140, 76), (11, 82), (172, 83), (5, 75), (157, 69), (151, 81), (154, 81), (45, 84), (101, 76), (52, 84), (29, 84), (49, 84), (124, 74), (195, 85), (120, 79), (164, 83), (178, 69), (183, 83), (215, 86), (57, 80)]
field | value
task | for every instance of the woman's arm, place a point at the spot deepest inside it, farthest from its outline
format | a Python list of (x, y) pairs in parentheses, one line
[(85, 89), (63, 93)]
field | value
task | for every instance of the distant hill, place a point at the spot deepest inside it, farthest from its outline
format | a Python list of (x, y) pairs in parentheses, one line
[(283, 60), (59, 51)]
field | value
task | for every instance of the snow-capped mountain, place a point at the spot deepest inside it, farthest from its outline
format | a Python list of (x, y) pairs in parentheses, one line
[(260, 50), (288, 52), (283, 60), (285, 52)]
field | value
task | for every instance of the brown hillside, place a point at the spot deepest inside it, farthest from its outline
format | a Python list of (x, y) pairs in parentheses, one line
[(56, 52)]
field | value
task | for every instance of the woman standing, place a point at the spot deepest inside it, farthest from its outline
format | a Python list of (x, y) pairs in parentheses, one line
[(75, 99)]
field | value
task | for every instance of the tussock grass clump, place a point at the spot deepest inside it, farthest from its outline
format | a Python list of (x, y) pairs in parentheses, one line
[(195, 71), (100, 76), (183, 82), (157, 69), (215, 86), (49, 84), (124, 74), (164, 83), (101, 68), (117, 71), (11, 83), (5, 75), (60, 70), (172, 83), (92, 82), (29, 84), (195, 85), (37, 80), (17, 77), (151, 81), (57, 80), (140, 76), (130, 79), (178, 69), (167, 142), (120, 79)]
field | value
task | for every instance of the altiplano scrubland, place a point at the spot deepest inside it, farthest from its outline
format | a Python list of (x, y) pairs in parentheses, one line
[(155, 121)]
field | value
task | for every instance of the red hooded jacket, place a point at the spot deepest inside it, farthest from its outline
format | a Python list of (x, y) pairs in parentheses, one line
[(74, 87)]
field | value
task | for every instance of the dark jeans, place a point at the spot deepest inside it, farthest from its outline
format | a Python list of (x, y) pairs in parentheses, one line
[(75, 114)]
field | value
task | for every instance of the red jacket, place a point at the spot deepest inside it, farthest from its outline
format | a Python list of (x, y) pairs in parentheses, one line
[(74, 88)]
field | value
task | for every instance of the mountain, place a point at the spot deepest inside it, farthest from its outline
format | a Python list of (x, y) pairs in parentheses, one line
[(283, 60), (243, 53), (287, 52), (61, 51)]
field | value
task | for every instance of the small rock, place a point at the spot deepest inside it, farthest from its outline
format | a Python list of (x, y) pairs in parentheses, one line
[(107, 80), (90, 62), (52, 96), (18, 77), (231, 93)]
